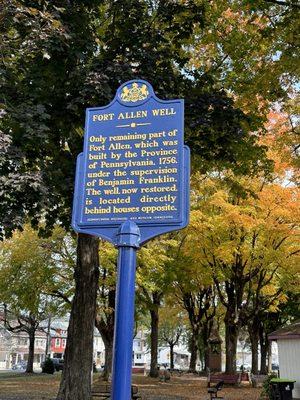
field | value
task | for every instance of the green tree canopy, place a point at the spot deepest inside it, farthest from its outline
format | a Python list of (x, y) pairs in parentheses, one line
[(59, 58), (29, 273)]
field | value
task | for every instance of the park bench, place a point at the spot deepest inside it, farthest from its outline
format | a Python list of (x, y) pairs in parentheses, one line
[(103, 391), (233, 379), (213, 391)]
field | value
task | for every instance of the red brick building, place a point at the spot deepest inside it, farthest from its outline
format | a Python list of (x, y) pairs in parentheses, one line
[(58, 343)]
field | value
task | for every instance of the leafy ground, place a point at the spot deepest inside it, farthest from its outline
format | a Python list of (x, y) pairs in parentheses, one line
[(21, 386), (187, 387)]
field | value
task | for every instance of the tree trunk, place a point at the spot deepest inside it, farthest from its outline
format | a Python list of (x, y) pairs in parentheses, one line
[(263, 341), (206, 359), (76, 377), (105, 327), (254, 352), (108, 343), (253, 329), (154, 342), (205, 334), (171, 356), (231, 337), (48, 340), (194, 351), (29, 367), (263, 360)]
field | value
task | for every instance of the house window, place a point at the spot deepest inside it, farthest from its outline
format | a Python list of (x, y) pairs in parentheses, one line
[(64, 341), (22, 342), (138, 356), (57, 342)]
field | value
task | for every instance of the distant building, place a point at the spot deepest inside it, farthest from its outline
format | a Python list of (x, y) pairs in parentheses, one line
[(58, 342), (139, 351), (99, 350), (14, 348), (141, 355), (181, 357), (5, 348)]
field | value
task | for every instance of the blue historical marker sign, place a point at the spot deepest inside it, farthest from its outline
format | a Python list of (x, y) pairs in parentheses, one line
[(132, 183), (134, 166)]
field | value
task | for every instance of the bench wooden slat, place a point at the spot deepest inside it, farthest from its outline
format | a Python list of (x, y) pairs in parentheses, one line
[(103, 391), (227, 378)]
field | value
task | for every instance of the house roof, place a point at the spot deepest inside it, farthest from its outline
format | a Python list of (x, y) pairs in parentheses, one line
[(62, 323), (3, 330), (288, 332), (59, 335)]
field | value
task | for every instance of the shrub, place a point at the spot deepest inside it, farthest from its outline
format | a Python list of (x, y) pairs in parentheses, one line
[(48, 366), (266, 388)]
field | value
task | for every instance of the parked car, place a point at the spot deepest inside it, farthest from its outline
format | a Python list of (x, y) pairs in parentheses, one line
[(58, 363), (21, 365)]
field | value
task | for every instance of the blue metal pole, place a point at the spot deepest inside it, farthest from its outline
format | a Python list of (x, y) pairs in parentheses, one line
[(128, 242)]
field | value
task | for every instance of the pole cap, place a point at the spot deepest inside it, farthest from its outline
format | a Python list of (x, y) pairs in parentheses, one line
[(128, 235)]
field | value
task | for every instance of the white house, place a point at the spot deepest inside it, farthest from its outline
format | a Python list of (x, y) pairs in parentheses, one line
[(141, 355), (181, 357), (5, 348), (288, 341), (99, 349), (59, 328), (14, 347), (139, 351)]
